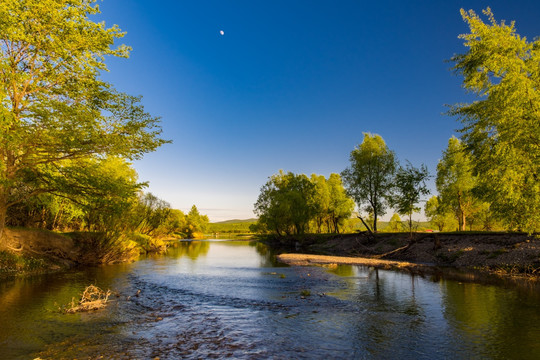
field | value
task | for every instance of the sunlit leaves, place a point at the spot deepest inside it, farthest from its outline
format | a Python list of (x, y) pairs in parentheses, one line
[(369, 178), (56, 112), (502, 128)]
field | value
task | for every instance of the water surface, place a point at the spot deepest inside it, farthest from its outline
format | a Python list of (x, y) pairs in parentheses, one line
[(228, 299)]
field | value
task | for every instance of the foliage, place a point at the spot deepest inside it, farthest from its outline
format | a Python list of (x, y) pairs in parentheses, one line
[(439, 216), (395, 224), (11, 263), (285, 204), (321, 200), (57, 115), (369, 178), (294, 204), (455, 182), (149, 213), (502, 128), (233, 226), (410, 185), (341, 205), (196, 224)]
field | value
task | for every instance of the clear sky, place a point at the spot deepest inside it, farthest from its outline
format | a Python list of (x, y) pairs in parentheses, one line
[(289, 85)]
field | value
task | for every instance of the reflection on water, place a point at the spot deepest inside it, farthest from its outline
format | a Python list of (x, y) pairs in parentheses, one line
[(228, 299)]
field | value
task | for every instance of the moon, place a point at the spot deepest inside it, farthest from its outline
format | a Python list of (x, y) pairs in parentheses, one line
[(221, 32)]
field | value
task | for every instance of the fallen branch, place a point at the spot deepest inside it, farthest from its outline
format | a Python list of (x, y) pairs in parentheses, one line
[(93, 298)]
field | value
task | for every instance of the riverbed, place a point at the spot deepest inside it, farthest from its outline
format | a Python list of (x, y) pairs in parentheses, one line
[(230, 299)]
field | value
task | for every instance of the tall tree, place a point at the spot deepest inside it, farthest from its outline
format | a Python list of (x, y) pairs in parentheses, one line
[(340, 206), (369, 178), (54, 107), (502, 128), (321, 200), (410, 185), (455, 182)]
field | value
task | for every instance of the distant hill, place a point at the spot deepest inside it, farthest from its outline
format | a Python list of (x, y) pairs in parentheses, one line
[(236, 221), (231, 226)]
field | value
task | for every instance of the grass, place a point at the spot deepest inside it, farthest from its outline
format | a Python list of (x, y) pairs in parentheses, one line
[(13, 263)]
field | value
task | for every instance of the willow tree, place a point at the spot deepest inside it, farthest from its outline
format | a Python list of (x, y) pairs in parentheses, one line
[(55, 108), (502, 128), (369, 178)]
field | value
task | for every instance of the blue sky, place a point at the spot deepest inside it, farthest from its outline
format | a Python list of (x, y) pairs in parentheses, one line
[(290, 85)]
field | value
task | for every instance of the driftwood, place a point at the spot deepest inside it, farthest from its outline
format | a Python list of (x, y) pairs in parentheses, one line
[(93, 298)]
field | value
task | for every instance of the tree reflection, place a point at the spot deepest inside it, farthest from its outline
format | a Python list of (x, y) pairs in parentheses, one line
[(191, 249)]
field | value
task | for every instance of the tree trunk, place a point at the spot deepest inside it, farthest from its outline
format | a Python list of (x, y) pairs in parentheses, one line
[(461, 219), (366, 225)]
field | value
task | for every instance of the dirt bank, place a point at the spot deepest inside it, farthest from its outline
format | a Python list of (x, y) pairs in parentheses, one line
[(504, 253), (35, 251)]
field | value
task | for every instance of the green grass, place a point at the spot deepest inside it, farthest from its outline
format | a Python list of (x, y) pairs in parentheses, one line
[(13, 263)]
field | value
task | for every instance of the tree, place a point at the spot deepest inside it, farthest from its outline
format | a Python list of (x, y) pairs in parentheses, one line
[(455, 182), (438, 215), (502, 128), (395, 224), (340, 205), (149, 213), (369, 179), (196, 224), (285, 204), (410, 185), (321, 200), (55, 109)]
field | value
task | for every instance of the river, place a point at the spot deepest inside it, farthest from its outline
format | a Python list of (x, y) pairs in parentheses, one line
[(229, 299)]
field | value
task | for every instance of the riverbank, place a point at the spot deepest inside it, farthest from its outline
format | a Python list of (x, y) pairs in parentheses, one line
[(36, 251), (513, 254)]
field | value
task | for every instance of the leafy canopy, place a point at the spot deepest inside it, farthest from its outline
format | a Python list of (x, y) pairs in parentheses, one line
[(55, 109), (502, 128), (455, 182), (410, 185), (369, 178)]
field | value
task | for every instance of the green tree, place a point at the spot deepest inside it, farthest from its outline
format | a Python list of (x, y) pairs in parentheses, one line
[(341, 205), (395, 224), (175, 223), (369, 179), (196, 224), (149, 213), (439, 216), (410, 185), (455, 182), (502, 128), (321, 201), (105, 189), (285, 204), (55, 109)]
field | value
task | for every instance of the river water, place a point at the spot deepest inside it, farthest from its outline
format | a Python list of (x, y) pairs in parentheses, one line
[(228, 299)]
